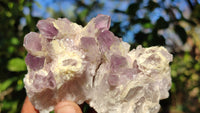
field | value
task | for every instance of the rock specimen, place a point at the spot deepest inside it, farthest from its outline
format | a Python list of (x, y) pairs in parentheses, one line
[(90, 64)]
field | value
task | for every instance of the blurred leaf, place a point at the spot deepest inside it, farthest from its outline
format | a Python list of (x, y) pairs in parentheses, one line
[(161, 23), (14, 41), (21, 1), (4, 85), (8, 14), (12, 22), (118, 11), (181, 33), (173, 72), (173, 87), (20, 85), (152, 5), (195, 77), (11, 106), (157, 40), (132, 9), (38, 4), (16, 64), (180, 107), (148, 25), (196, 11), (115, 28), (83, 14), (50, 10), (190, 22), (182, 78), (20, 7), (143, 20), (10, 5), (141, 37), (85, 107), (197, 66), (11, 49), (145, 44), (28, 4)]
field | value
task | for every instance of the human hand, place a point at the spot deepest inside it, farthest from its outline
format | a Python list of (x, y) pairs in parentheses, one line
[(62, 107)]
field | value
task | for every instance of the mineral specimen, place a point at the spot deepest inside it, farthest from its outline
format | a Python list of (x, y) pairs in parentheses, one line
[(90, 64)]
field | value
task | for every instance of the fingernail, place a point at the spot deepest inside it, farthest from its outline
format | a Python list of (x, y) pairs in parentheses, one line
[(66, 109)]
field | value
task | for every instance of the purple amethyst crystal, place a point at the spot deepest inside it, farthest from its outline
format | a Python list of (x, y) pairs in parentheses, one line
[(34, 62), (32, 42), (90, 64), (47, 28)]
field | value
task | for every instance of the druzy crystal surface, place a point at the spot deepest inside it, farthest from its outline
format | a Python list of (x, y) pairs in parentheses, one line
[(90, 64)]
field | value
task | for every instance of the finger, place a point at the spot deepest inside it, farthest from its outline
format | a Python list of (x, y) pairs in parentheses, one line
[(28, 107), (67, 107)]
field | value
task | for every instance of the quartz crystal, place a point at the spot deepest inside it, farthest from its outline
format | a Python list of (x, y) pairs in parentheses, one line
[(90, 64)]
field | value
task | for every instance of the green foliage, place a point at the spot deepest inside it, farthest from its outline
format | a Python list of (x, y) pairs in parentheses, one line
[(16, 64), (152, 5), (14, 41), (195, 12), (11, 106), (131, 11), (83, 15), (181, 32), (85, 108), (4, 85), (12, 53), (186, 81), (161, 23)]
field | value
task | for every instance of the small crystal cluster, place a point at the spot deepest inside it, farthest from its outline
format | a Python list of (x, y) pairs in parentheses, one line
[(90, 64)]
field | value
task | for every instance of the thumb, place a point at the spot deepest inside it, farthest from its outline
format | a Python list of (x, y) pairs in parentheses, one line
[(67, 107)]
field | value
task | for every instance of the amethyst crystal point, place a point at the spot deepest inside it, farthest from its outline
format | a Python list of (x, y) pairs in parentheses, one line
[(69, 62), (102, 22), (46, 28), (32, 43)]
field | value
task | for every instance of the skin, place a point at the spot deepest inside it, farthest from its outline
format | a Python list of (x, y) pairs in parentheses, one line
[(62, 107)]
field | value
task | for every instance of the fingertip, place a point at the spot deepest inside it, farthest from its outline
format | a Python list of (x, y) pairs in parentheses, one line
[(67, 107), (28, 107)]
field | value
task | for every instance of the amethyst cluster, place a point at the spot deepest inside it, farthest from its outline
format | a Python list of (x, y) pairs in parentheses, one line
[(90, 64)]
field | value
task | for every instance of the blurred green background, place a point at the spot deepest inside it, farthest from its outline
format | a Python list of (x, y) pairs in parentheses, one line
[(174, 24)]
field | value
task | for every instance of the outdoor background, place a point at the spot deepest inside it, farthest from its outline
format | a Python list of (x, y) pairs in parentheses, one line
[(174, 24)]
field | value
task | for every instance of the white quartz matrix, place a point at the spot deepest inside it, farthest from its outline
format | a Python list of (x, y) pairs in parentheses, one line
[(90, 64)]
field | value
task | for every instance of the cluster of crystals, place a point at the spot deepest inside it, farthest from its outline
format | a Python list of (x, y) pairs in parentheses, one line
[(90, 64)]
